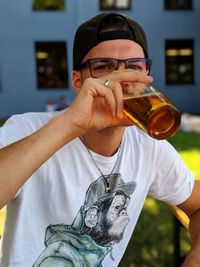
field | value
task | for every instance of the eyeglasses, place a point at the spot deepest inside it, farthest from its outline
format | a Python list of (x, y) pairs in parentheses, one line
[(100, 67)]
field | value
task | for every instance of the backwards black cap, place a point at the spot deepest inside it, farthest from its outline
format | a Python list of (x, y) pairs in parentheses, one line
[(89, 35)]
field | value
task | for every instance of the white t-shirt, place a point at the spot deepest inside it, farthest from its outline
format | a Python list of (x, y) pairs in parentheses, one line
[(63, 215)]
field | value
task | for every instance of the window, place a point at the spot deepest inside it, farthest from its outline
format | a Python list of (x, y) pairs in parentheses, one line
[(115, 4), (51, 63), (179, 62), (178, 4), (51, 5)]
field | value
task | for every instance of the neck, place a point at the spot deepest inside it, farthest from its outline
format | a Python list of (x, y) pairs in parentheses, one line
[(105, 142)]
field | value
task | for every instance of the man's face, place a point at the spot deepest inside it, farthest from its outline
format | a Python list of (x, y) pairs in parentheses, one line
[(116, 49)]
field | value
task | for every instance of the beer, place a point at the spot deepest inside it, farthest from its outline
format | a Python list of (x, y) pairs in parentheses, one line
[(154, 114)]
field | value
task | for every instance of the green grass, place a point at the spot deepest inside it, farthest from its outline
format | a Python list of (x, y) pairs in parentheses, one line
[(152, 242), (188, 145)]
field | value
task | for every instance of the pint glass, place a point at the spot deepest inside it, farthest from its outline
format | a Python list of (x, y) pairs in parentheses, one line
[(151, 111)]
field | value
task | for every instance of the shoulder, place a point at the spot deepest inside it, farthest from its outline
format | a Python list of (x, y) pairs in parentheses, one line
[(22, 125), (142, 143), (134, 135), (31, 119)]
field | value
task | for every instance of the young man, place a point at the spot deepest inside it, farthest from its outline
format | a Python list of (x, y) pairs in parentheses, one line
[(75, 182)]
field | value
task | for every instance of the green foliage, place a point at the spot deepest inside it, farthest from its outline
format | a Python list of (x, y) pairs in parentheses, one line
[(188, 146), (1, 122), (48, 4), (185, 141)]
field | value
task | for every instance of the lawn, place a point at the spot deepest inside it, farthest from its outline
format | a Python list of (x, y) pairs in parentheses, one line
[(152, 241)]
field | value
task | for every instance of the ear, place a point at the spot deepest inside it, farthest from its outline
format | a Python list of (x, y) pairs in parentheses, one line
[(76, 80), (91, 217)]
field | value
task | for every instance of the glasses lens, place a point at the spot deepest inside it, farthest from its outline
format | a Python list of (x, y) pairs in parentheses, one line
[(138, 64), (102, 66)]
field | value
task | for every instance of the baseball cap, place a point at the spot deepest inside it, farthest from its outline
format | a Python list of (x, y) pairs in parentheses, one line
[(89, 35), (96, 192)]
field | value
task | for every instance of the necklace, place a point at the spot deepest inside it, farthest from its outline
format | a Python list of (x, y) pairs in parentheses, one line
[(106, 177)]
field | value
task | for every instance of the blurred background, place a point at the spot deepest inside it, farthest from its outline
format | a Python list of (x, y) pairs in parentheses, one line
[(36, 38)]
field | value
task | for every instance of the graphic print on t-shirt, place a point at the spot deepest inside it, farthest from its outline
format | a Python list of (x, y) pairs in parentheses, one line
[(99, 224)]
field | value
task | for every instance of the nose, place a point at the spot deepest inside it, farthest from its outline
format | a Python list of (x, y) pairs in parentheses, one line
[(121, 66), (127, 88), (123, 213)]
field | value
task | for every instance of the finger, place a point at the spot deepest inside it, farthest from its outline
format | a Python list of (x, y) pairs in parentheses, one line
[(109, 97), (130, 76), (118, 95)]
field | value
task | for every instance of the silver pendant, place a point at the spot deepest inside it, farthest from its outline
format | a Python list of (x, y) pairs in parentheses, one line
[(107, 183)]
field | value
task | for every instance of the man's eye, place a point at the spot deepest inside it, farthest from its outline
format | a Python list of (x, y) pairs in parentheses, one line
[(103, 67), (135, 67)]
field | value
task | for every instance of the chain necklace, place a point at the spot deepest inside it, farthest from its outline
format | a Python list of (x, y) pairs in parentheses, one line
[(106, 177)]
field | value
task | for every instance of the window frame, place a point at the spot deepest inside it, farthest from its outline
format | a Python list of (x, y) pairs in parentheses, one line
[(51, 44), (49, 9), (178, 8), (113, 7), (178, 58)]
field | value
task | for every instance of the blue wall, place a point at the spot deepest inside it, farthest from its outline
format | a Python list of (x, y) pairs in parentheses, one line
[(20, 27)]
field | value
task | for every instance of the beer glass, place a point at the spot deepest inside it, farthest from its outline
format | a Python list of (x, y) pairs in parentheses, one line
[(151, 111)]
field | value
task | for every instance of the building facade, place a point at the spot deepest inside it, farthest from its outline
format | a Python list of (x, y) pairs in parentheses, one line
[(36, 48)]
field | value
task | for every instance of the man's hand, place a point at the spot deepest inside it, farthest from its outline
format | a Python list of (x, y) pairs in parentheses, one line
[(97, 106)]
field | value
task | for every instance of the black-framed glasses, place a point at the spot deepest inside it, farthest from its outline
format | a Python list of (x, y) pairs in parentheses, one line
[(100, 67)]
